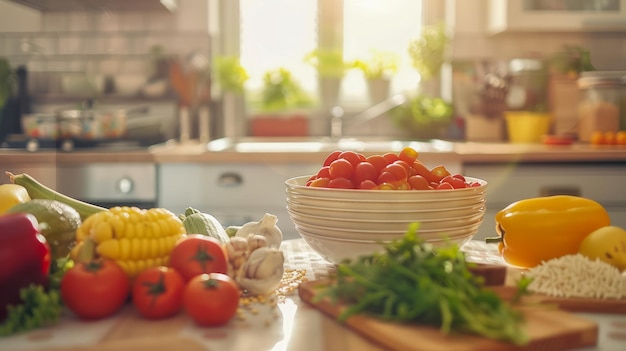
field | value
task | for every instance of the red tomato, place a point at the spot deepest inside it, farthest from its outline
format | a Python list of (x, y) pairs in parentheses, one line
[(364, 171), (195, 254), (402, 185), (444, 186), (341, 183), (378, 161), (418, 182), (95, 290), (324, 172), (211, 299), (398, 171), (390, 157), (352, 156), (331, 157), (367, 184), (408, 155), (158, 292), (386, 177), (320, 182), (455, 182), (438, 173), (459, 176), (421, 169), (341, 168)]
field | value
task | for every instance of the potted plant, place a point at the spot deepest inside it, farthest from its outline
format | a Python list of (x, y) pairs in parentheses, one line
[(279, 106), (331, 68), (377, 70), (427, 115)]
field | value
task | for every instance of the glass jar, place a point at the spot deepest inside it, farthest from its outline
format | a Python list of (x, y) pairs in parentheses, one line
[(601, 106)]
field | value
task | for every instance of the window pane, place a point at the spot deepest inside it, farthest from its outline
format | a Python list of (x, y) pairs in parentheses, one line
[(277, 33), (382, 25)]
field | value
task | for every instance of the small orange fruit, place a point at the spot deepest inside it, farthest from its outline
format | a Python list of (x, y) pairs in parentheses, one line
[(597, 138), (609, 138), (620, 137)]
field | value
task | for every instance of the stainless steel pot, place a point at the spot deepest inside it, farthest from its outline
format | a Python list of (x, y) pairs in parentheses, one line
[(80, 124)]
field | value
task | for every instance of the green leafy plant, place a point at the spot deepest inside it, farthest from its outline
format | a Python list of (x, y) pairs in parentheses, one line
[(428, 52), (378, 65), (328, 63), (230, 74), (571, 61), (423, 116), (281, 91), (413, 282)]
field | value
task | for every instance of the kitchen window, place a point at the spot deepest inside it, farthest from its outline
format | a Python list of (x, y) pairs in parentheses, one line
[(279, 33)]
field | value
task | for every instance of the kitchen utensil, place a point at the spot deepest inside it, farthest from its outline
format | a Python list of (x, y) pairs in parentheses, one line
[(549, 329), (87, 124)]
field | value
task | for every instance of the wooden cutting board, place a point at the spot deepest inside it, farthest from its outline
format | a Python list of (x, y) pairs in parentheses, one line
[(549, 329)]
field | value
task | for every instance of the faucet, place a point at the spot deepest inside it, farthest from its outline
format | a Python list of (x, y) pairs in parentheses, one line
[(337, 114)]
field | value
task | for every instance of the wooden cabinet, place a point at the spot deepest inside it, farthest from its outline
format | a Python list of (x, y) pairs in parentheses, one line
[(556, 16), (511, 182)]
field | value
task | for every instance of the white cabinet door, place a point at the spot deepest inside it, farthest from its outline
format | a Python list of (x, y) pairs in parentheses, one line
[(233, 193)]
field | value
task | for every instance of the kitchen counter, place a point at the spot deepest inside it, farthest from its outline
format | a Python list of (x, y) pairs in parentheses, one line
[(466, 152), (293, 325)]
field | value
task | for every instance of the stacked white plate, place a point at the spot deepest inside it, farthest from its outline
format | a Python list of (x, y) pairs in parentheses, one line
[(346, 223)]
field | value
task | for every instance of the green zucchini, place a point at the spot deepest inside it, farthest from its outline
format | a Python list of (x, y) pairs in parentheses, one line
[(197, 222)]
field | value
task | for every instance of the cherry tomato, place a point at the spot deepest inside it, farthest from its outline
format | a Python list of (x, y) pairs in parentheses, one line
[(352, 156), (340, 183), (96, 289), (195, 254), (418, 182), (459, 176), (421, 169), (455, 182), (211, 299), (386, 177), (438, 173), (364, 171), (398, 171), (386, 186), (324, 172), (406, 166), (444, 186), (408, 155), (378, 161), (331, 157), (320, 182), (368, 184), (158, 292), (390, 157), (402, 185), (341, 168)]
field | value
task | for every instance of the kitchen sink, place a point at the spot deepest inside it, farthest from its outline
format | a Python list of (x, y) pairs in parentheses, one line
[(325, 144)]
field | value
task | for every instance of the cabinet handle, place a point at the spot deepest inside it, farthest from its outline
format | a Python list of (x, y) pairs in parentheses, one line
[(230, 179), (560, 190)]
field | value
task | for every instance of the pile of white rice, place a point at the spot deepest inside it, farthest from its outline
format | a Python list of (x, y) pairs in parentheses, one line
[(577, 276)]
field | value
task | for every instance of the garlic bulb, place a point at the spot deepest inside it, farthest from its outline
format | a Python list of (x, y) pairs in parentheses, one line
[(262, 271), (266, 227), (236, 251), (256, 241)]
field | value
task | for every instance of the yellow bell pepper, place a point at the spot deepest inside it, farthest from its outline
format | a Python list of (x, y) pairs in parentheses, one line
[(542, 228)]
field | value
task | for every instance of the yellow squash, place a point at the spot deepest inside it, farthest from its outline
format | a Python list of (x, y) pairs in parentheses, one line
[(539, 229), (134, 238)]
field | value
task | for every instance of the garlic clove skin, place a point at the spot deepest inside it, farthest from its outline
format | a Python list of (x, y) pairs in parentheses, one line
[(262, 271), (267, 227)]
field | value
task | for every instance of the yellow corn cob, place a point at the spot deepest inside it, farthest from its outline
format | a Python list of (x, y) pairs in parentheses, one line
[(135, 238)]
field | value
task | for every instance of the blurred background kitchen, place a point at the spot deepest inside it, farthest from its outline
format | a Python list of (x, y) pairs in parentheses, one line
[(206, 69)]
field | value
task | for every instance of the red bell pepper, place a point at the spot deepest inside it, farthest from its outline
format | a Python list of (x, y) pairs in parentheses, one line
[(24, 257)]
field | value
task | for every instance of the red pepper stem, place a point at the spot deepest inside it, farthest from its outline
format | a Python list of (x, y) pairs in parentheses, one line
[(493, 240)]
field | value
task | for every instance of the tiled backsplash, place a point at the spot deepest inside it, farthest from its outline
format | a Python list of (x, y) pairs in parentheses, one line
[(101, 43)]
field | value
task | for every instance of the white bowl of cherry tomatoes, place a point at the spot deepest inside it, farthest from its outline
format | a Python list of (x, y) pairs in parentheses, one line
[(354, 204)]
